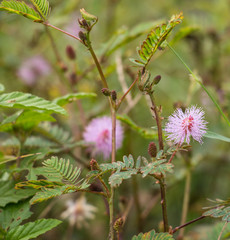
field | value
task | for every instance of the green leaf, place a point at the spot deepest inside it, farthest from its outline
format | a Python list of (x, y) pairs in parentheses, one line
[(28, 101), (13, 214), (160, 167), (62, 169), (220, 209), (146, 133), (48, 193), (2, 87), (20, 8), (8, 194), (42, 6), (69, 98), (152, 235), (32, 229), (157, 37), (25, 120), (56, 134), (116, 179), (216, 136)]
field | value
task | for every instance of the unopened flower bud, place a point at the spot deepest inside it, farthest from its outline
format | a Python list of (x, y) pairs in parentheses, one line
[(114, 95), (82, 36), (152, 149), (94, 165), (70, 52), (157, 79), (106, 92), (118, 224)]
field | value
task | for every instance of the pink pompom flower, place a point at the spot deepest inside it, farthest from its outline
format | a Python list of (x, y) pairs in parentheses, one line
[(99, 132), (182, 125)]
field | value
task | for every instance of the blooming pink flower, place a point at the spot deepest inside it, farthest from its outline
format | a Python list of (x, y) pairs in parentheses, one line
[(33, 68), (99, 132), (181, 125)]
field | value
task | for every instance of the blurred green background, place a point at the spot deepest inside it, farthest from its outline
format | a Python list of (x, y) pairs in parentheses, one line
[(202, 40)]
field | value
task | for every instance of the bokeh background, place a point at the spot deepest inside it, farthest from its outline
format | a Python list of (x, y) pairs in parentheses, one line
[(204, 45)]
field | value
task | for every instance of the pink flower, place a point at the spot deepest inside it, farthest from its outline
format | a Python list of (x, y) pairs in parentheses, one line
[(33, 68), (182, 125), (99, 132)]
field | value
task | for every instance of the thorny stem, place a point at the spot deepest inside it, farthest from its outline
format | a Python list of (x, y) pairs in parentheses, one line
[(163, 204), (161, 147), (158, 120), (186, 224), (185, 201)]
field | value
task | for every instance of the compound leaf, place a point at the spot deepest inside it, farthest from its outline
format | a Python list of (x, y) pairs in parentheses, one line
[(32, 229), (28, 101), (20, 8)]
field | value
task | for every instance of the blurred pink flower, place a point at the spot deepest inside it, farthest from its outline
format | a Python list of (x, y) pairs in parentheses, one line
[(33, 68), (182, 125), (99, 132)]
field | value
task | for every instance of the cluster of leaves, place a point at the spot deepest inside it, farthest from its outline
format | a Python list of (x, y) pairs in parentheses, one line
[(221, 208), (34, 116), (127, 168), (40, 14), (155, 39), (60, 178), (12, 216)]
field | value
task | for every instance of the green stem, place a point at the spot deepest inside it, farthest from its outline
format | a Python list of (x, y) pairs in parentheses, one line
[(111, 213), (98, 66), (163, 204), (201, 84)]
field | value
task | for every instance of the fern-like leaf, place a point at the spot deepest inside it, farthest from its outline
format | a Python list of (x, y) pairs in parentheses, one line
[(42, 6), (220, 209), (116, 179), (152, 235), (159, 167), (20, 8), (155, 39), (62, 169)]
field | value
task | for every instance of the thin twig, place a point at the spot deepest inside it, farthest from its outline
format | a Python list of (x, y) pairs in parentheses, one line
[(222, 231), (60, 30), (186, 224)]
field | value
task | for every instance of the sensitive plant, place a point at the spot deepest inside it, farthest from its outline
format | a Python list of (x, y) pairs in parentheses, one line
[(39, 148)]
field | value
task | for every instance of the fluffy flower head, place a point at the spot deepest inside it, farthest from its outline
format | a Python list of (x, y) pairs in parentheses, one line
[(182, 125), (99, 132), (79, 212)]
